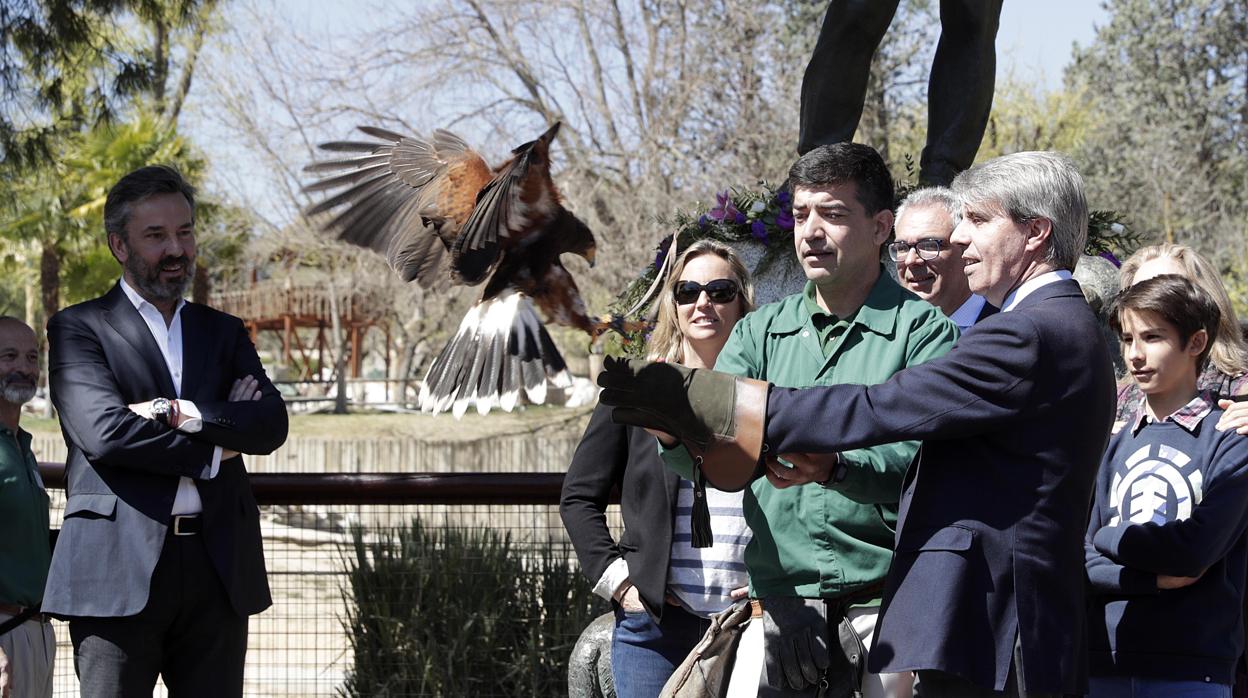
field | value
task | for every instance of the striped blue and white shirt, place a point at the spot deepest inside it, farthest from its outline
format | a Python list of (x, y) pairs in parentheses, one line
[(702, 578)]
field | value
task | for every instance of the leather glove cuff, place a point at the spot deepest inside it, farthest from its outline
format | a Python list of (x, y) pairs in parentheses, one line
[(731, 460)]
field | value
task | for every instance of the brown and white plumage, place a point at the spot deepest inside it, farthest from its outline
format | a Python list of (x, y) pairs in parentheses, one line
[(440, 214)]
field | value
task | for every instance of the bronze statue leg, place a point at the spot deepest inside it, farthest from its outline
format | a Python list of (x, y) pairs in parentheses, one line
[(835, 83), (959, 93)]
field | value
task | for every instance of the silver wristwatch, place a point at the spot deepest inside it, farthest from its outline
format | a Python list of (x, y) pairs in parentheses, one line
[(162, 410)]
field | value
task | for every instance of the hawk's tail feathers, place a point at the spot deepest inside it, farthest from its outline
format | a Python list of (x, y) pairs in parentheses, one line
[(500, 350)]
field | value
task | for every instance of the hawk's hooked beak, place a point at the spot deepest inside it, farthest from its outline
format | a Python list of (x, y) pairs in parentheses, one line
[(589, 256)]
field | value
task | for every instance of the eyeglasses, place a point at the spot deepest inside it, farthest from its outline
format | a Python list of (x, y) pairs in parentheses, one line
[(928, 248), (719, 291)]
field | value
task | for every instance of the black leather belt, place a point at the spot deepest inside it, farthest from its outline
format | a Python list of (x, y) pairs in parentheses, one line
[(191, 525)]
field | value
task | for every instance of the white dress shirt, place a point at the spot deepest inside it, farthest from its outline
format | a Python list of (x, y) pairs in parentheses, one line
[(1032, 284), (169, 339)]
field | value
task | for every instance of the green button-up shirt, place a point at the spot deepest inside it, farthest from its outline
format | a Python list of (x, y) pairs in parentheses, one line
[(24, 550), (811, 541)]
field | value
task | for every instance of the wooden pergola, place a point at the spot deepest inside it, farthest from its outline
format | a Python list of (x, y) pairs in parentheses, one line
[(286, 310)]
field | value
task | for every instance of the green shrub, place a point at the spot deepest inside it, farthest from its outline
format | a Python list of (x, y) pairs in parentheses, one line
[(461, 612)]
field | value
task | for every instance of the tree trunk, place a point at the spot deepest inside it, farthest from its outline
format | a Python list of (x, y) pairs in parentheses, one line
[(201, 285), (50, 279), (160, 62), (199, 29), (338, 336), (50, 295)]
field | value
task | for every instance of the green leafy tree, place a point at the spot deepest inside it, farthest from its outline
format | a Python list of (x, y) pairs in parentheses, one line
[(56, 212), (72, 65), (1169, 82), (93, 89)]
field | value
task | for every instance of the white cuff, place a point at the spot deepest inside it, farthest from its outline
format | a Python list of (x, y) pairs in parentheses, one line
[(216, 463), (193, 421), (612, 579)]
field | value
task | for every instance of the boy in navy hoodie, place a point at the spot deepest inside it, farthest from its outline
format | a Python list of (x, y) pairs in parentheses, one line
[(1166, 548)]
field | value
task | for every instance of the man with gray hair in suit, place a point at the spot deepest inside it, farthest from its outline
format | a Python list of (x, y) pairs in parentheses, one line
[(927, 263)]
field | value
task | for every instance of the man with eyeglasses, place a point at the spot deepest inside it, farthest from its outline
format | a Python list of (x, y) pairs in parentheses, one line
[(820, 553), (927, 264)]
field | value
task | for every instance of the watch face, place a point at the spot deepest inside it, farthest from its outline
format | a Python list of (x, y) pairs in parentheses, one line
[(160, 408)]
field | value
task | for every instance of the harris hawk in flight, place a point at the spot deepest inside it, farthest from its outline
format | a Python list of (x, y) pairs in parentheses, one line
[(441, 215)]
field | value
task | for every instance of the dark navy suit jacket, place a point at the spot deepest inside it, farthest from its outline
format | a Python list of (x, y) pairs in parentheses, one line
[(990, 527), (122, 471)]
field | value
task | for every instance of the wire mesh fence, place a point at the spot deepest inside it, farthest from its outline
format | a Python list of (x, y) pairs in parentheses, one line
[(439, 584)]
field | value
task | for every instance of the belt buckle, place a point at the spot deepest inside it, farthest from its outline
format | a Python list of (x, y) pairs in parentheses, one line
[(177, 525)]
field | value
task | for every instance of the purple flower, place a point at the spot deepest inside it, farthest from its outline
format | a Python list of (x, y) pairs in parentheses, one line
[(724, 209), (740, 218), (703, 220), (784, 219), (661, 253), (759, 231), (783, 199), (1113, 260)]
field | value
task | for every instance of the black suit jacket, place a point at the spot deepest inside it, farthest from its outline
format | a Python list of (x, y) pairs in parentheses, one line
[(610, 456), (122, 470), (989, 540)]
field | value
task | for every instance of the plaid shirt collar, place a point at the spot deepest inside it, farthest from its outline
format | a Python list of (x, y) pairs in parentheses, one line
[(1187, 416)]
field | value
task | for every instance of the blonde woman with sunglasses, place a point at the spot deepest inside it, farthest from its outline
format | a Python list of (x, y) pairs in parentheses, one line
[(662, 588)]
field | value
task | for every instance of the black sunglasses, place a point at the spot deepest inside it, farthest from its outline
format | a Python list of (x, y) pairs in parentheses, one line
[(719, 291)]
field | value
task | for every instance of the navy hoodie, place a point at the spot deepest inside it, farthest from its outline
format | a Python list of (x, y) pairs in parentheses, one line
[(1169, 500)]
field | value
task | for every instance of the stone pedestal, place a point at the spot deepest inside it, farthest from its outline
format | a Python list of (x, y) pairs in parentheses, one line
[(782, 277), (1098, 277)]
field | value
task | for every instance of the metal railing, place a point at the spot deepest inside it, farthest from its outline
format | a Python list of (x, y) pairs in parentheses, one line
[(301, 646)]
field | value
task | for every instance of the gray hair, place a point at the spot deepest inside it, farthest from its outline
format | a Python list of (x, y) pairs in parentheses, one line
[(1030, 185), (936, 197)]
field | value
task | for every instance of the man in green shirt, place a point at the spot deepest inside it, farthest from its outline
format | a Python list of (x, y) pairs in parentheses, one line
[(27, 649), (819, 547)]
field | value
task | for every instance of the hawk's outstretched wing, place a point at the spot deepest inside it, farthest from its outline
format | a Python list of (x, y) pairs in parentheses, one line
[(405, 197)]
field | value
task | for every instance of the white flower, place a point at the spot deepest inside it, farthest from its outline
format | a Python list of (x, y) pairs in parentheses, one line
[(1117, 229), (758, 207)]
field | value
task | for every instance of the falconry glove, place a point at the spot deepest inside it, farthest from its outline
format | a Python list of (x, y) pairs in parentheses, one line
[(718, 416)]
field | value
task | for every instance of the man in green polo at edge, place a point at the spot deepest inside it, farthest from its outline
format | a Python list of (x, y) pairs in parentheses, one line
[(819, 556), (27, 644)]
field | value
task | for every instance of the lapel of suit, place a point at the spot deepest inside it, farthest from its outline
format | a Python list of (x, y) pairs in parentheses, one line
[(195, 345), (123, 317)]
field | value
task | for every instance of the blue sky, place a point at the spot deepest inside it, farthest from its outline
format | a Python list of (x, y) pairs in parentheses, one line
[(1036, 36), (1033, 45)]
